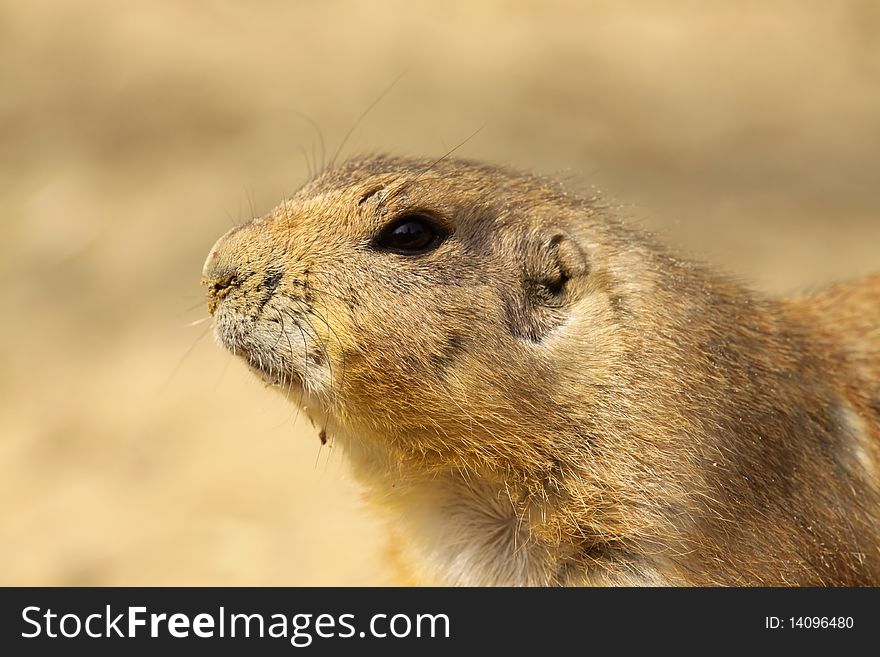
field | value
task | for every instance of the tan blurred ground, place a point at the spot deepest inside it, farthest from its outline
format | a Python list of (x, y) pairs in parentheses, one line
[(133, 134)]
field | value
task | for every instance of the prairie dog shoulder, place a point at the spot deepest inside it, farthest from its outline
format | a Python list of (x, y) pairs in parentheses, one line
[(535, 393)]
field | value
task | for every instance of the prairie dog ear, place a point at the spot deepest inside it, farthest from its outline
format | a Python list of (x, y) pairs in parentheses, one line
[(551, 262)]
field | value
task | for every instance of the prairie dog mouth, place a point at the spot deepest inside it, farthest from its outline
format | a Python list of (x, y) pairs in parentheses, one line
[(281, 355), (274, 377)]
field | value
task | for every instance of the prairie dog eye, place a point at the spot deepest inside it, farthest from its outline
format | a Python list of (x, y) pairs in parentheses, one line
[(411, 234)]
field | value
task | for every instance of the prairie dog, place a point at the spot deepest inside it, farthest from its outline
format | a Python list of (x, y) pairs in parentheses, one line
[(533, 392)]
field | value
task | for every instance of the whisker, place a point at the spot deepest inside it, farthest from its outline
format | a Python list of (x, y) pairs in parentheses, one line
[(409, 183), (306, 287), (363, 116), (286, 204), (322, 345), (229, 359), (450, 152), (314, 159), (338, 341), (232, 220), (302, 389), (318, 455), (290, 375), (248, 192), (310, 174), (200, 304), (184, 357), (333, 380), (320, 134), (305, 360)]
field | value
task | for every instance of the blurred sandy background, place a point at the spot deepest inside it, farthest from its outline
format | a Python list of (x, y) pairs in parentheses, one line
[(132, 134)]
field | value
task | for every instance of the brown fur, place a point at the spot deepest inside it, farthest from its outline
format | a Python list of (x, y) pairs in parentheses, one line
[(552, 397)]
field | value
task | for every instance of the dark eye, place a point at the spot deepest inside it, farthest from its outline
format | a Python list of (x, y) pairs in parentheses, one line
[(410, 235)]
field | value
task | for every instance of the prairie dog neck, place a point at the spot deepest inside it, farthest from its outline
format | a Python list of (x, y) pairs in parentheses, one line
[(452, 529)]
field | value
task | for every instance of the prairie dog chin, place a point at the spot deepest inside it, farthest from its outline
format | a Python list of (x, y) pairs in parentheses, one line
[(535, 393)]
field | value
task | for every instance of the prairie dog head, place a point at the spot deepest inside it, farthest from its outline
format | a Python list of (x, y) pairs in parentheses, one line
[(452, 311)]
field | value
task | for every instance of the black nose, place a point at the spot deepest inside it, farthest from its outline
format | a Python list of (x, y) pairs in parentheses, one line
[(220, 271), (218, 287)]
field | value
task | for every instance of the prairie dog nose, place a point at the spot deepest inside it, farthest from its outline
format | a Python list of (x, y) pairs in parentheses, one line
[(216, 264), (219, 273)]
